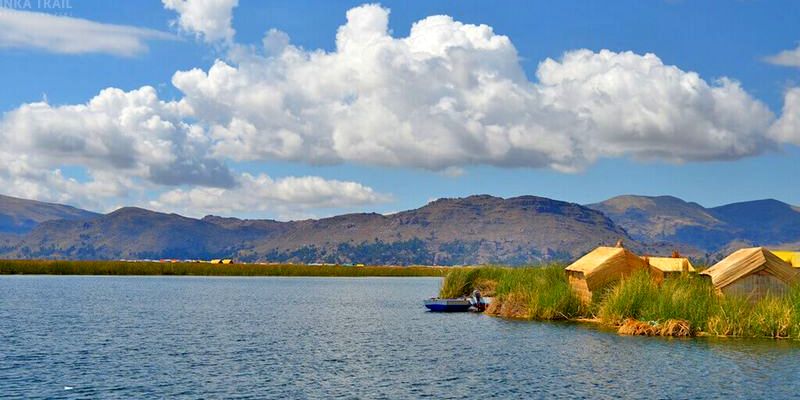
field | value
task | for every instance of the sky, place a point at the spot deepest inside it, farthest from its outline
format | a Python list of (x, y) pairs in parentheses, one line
[(298, 109)]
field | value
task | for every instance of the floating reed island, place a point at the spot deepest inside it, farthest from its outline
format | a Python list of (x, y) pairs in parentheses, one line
[(750, 293)]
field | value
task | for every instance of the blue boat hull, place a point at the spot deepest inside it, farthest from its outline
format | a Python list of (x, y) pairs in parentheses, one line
[(447, 305)]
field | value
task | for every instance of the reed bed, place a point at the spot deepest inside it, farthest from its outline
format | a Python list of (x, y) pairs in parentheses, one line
[(688, 298), (462, 281), (680, 306), (53, 267), (539, 293)]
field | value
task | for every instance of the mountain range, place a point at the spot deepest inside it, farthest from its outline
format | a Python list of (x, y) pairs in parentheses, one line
[(718, 229), (472, 230)]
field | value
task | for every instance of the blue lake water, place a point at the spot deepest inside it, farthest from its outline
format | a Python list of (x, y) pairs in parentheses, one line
[(155, 337)]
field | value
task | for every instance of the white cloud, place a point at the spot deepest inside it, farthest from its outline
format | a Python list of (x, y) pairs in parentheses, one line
[(287, 196), (787, 128), (447, 96), (787, 58), (453, 94), (134, 132), (60, 34), (206, 19), (638, 106), (19, 177), (131, 144)]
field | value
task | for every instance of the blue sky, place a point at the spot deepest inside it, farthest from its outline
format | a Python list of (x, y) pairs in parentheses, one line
[(713, 39)]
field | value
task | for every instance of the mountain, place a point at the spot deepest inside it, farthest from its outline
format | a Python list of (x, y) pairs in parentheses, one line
[(762, 221), (470, 230), (18, 216), (670, 219), (476, 229), (132, 233), (666, 219)]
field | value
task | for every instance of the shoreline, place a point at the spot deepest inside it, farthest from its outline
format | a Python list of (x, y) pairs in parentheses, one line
[(681, 306), (125, 268)]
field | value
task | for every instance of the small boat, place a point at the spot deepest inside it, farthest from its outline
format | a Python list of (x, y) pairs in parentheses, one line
[(480, 303), (448, 305)]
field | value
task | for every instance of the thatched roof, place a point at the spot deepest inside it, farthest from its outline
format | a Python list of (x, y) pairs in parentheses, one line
[(606, 261), (791, 257), (748, 261), (671, 264)]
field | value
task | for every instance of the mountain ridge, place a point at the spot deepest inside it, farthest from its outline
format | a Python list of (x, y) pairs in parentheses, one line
[(475, 229), (19, 216), (449, 231), (715, 229)]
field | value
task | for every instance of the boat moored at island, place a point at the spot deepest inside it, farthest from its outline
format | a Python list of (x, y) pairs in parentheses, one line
[(475, 302), (448, 305)]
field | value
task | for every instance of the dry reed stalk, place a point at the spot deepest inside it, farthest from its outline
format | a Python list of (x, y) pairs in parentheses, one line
[(494, 307), (487, 287), (633, 327), (672, 327), (511, 306), (676, 328)]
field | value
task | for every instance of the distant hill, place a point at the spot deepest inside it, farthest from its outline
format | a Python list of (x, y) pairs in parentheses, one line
[(18, 216), (762, 221), (476, 229), (131, 233), (669, 219), (471, 230)]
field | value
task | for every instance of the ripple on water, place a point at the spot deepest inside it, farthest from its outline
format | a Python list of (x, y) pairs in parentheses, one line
[(144, 337)]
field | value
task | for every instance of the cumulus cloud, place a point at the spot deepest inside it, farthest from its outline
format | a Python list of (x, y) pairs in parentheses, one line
[(128, 131), (288, 196), (638, 106), (60, 34), (206, 19), (787, 128), (133, 142), (452, 94), (787, 58), (20, 177), (447, 96)]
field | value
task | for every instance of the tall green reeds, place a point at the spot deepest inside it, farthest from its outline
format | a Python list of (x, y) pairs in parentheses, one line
[(462, 281), (630, 299), (544, 294), (772, 316), (688, 297), (536, 293), (529, 293)]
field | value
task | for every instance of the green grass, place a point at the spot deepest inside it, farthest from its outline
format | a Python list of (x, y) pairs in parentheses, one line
[(631, 299), (543, 294), (537, 293), (772, 316), (540, 293), (48, 267), (689, 298), (462, 281)]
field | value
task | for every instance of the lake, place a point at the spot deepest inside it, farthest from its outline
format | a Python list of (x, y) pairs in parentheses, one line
[(147, 337)]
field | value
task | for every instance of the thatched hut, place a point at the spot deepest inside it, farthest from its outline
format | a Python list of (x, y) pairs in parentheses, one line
[(753, 272), (665, 267), (791, 257), (601, 267)]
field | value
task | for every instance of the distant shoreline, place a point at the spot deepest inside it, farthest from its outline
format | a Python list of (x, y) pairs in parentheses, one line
[(120, 268)]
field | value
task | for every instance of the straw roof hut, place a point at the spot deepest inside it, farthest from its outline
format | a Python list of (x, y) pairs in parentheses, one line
[(752, 272), (665, 267), (601, 267), (791, 257)]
